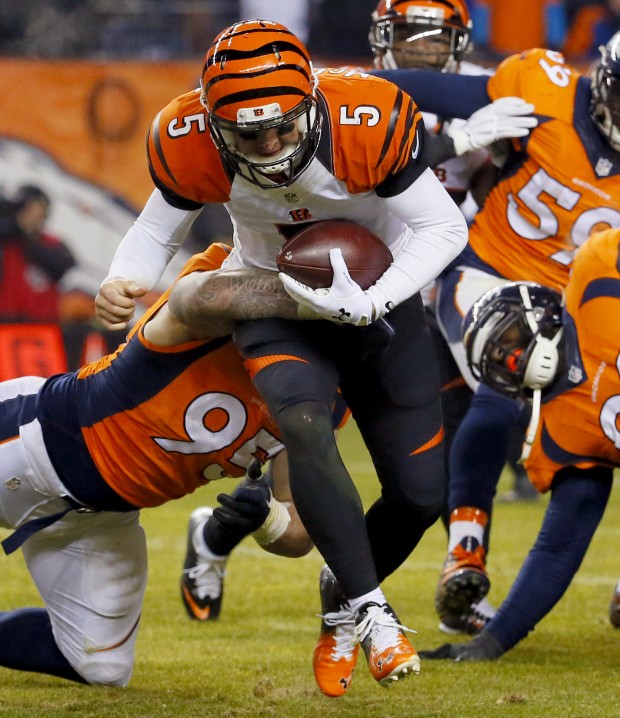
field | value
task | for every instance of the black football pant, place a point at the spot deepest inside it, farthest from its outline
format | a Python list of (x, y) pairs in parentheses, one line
[(388, 377)]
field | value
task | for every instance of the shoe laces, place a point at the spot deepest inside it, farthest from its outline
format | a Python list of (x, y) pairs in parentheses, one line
[(345, 636), (473, 558), (208, 577), (381, 627)]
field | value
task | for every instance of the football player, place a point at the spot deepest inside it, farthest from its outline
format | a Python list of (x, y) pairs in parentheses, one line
[(169, 411), (522, 343), (556, 186), (281, 146), (403, 33), (426, 34)]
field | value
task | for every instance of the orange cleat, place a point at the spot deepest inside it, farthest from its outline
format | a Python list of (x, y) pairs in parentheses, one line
[(389, 654), (463, 580), (336, 651)]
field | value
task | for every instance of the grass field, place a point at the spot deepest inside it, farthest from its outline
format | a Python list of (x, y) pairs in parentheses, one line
[(255, 662)]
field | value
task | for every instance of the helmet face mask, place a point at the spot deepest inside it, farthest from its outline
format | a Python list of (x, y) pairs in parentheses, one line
[(258, 89), (298, 132), (420, 34), (511, 337), (605, 86)]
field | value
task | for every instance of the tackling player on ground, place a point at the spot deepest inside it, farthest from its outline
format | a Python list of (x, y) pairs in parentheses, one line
[(169, 411)]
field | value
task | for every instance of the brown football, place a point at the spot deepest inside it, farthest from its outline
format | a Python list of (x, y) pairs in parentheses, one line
[(305, 256)]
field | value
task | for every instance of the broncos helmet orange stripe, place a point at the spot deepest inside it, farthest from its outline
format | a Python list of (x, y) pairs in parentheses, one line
[(412, 21), (257, 76)]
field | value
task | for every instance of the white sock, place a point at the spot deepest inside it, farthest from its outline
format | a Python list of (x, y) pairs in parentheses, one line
[(485, 608), (375, 596), (460, 529)]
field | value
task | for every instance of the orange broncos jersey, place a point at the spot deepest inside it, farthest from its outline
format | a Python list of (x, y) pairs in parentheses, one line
[(368, 133), (562, 184), (158, 422), (580, 426)]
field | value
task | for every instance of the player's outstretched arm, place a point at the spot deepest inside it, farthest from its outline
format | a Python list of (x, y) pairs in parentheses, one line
[(233, 294)]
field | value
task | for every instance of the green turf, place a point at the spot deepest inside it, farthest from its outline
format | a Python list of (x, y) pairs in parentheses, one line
[(256, 660)]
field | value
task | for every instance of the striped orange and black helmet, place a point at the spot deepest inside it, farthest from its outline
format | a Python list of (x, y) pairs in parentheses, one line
[(407, 33), (258, 78)]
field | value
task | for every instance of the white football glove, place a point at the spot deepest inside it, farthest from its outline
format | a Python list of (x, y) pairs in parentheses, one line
[(506, 117), (344, 302)]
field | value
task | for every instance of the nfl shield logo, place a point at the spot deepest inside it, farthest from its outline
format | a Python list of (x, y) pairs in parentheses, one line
[(575, 375), (603, 167)]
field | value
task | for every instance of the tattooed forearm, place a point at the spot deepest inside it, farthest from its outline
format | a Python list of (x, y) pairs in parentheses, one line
[(234, 294)]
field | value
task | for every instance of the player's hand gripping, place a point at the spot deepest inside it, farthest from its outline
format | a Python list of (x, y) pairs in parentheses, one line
[(344, 302), (506, 117), (248, 506), (115, 303)]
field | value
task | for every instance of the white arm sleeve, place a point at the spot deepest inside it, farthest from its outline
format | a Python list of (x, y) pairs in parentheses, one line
[(152, 241), (439, 235)]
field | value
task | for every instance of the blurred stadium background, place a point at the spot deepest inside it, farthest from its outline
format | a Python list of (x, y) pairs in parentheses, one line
[(81, 82)]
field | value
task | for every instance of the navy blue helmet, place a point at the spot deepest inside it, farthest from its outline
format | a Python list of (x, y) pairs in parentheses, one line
[(511, 337)]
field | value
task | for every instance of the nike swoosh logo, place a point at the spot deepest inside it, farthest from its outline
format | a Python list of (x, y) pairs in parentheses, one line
[(416, 150), (202, 614)]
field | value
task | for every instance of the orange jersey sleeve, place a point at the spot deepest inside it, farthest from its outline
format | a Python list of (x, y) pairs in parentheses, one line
[(580, 427), (375, 128), (561, 184), (182, 156)]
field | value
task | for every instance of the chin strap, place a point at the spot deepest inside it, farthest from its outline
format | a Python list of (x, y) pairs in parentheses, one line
[(532, 427)]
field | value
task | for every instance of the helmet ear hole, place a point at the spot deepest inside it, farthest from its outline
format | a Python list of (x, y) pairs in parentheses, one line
[(542, 364)]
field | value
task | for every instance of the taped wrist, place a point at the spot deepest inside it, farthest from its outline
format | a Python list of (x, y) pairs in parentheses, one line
[(274, 525), (462, 141)]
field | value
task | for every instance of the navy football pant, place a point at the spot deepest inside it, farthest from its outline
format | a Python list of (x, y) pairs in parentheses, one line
[(481, 446), (577, 504)]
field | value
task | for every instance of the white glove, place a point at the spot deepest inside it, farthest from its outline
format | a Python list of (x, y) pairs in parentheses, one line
[(506, 117), (344, 302)]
